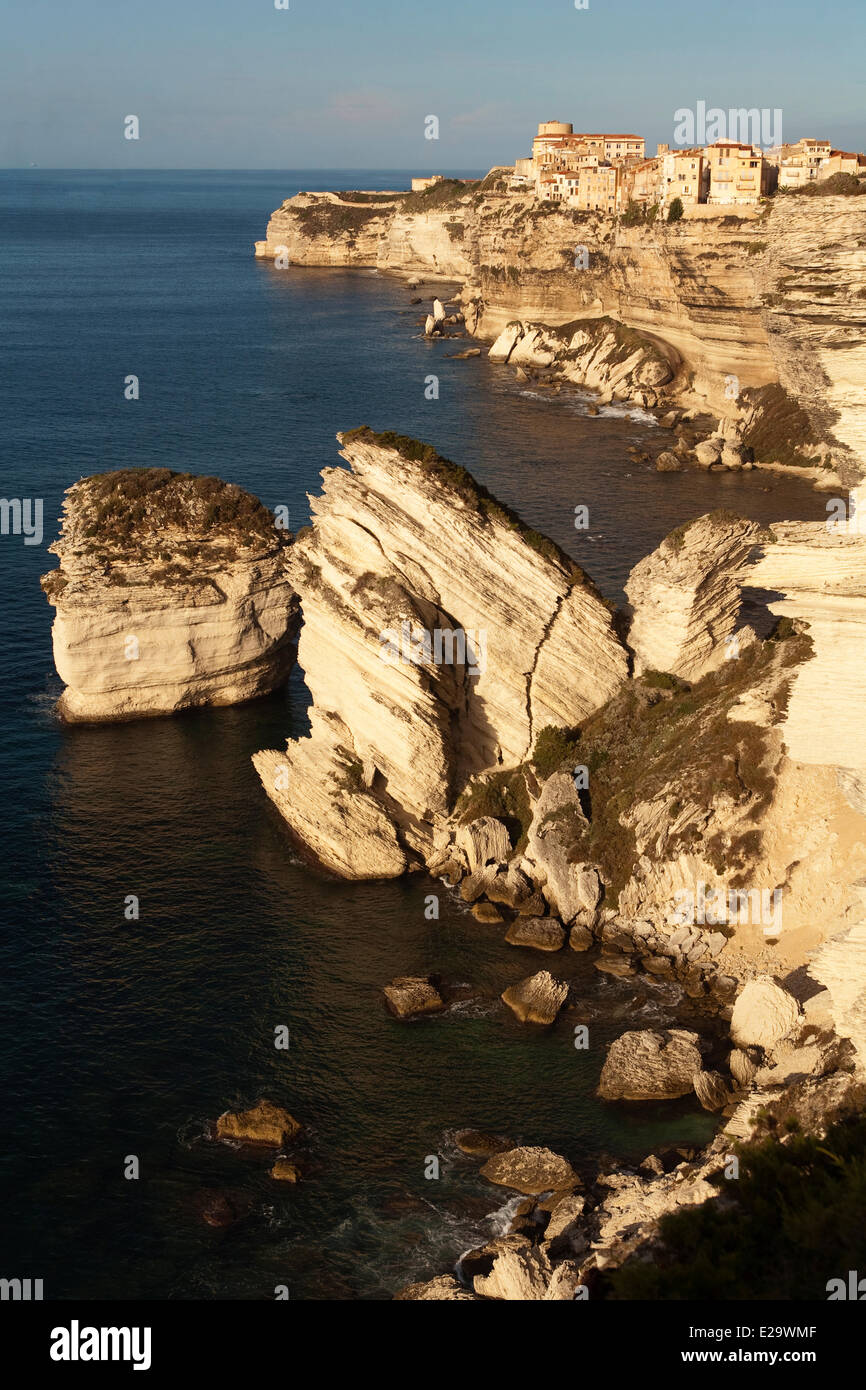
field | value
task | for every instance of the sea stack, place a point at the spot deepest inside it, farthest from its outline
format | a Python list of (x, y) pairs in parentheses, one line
[(171, 593)]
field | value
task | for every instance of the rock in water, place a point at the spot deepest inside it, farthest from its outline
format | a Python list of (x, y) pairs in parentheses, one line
[(531, 1170), (519, 1272), (443, 1287), (440, 636), (264, 1123), (476, 1143), (687, 596), (284, 1170), (650, 1066), (537, 999), (539, 933), (172, 593), (410, 995), (763, 1013)]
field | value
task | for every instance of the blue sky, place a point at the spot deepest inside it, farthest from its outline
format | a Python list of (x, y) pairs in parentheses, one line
[(348, 83)]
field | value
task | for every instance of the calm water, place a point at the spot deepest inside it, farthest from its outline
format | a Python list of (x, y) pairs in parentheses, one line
[(127, 1038)]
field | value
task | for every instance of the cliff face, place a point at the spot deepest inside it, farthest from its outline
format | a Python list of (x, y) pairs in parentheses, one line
[(440, 636), (772, 300), (171, 593)]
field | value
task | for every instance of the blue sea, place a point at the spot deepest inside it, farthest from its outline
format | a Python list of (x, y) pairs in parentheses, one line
[(125, 1040)]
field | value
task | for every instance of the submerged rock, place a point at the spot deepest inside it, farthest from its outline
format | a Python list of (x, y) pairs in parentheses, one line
[(286, 1171), (477, 1143), (263, 1123), (537, 999)]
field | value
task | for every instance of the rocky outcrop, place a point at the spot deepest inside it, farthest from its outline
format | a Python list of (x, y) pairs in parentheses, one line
[(573, 889), (599, 353), (263, 1123), (171, 593), (537, 999), (530, 1170), (440, 636), (686, 597), (650, 1066)]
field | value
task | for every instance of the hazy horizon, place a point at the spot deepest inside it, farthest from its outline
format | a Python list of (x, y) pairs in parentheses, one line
[(234, 85)]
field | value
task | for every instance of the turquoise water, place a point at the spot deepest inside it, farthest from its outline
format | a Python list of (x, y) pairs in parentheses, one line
[(128, 1038)]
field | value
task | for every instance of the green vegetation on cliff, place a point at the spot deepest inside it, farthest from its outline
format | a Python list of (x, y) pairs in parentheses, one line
[(793, 1220)]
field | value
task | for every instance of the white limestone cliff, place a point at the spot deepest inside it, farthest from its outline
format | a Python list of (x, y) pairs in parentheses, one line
[(440, 636)]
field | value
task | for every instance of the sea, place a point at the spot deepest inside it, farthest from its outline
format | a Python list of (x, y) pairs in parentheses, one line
[(122, 1040)]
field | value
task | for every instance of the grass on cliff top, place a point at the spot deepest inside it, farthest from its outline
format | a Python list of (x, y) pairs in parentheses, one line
[(454, 478), (722, 516), (657, 731), (446, 194), (793, 1220), (139, 505)]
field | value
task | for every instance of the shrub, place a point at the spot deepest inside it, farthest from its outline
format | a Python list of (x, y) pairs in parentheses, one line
[(794, 1220), (676, 210), (552, 747)]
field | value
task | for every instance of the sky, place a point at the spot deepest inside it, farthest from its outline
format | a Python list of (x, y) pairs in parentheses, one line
[(350, 84)]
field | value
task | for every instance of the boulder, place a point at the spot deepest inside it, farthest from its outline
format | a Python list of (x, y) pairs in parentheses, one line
[(741, 1067), (264, 1123), (444, 1287), (558, 821), (709, 451), (711, 1090), (286, 1171), (537, 999), (438, 310), (539, 933), (520, 1272), (408, 996), (668, 462), (645, 1065), (486, 912), (763, 1013), (477, 1143), (429, 326), (531, 1171), (565, 1218), (484, 841), (580, 938)]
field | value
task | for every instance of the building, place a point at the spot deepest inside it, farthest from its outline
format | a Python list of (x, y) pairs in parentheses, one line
[(640, 182), (558, 146), (418, 185), (843, 162), (683, 174), (738, 173), (802, 163)]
